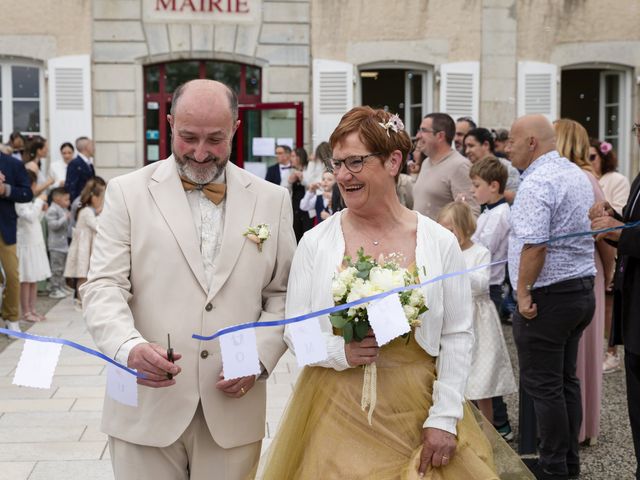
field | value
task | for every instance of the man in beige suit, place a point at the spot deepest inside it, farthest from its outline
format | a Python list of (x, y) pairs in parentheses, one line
[(170, 258)]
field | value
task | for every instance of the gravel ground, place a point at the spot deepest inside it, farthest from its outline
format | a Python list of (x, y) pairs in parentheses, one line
[(612, 457)]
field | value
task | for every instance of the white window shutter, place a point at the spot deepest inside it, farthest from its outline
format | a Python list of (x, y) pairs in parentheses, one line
[(69, 101), (460, 89), (332, 96), (538, 89)]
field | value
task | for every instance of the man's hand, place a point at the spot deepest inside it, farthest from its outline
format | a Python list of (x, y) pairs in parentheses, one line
[(600, 223), (438, 448), (362, 353), (526, 307), (601, 209), (151, 360), (236, 388)]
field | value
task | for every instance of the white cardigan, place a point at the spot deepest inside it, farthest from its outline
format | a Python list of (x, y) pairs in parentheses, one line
[(447, 327)]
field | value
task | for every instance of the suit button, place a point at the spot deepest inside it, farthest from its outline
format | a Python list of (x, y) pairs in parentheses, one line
[(209, 307), (204, 354)]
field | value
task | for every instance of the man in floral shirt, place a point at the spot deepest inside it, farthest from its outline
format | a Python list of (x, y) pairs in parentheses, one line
[(554, 283)]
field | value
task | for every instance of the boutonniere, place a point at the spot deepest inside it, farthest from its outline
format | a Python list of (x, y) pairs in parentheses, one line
[(258, 234)]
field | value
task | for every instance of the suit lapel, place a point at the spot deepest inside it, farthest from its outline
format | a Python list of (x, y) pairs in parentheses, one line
[(168, 194), (633, 199), (239, 208)]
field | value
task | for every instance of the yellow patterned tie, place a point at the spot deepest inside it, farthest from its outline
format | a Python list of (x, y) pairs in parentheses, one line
[(213, 191)]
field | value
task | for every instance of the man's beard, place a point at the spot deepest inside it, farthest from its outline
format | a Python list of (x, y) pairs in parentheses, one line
[(210, 169)]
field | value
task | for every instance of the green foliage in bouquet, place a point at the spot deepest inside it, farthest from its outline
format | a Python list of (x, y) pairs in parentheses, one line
[(366, 277)]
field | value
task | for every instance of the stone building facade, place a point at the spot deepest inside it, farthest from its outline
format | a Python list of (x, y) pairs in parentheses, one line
[(106, 68)]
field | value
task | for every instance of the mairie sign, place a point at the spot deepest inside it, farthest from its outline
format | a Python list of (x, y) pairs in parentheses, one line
[(202, 11)]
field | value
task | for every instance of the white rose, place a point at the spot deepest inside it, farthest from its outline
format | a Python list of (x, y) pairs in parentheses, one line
[(385, 279), (410, 312), (338, 288), (263, 232), (356, 292), (417, 298), (348, 275)]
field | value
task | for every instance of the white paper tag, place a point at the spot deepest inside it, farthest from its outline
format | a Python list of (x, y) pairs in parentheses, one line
[(37, 364), (122, 386), (239, 354), (308, 342), (387, 318)]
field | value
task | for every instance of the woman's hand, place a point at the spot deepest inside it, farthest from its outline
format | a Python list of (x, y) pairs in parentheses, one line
[(237, 387), (601, 209), (362, 353), (438, 448)]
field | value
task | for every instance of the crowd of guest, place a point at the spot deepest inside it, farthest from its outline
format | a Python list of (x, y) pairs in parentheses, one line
[(47, 222), (462, 175)]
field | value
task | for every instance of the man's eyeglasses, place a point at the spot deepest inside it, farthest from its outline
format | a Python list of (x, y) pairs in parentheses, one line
[(354, 163)]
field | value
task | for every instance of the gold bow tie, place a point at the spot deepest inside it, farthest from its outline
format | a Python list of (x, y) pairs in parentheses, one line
[(213, 191)]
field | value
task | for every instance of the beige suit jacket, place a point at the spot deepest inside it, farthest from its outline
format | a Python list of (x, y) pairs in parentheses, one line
[(147, 279)]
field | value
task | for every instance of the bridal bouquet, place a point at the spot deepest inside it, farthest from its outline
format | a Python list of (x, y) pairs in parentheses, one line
[(366, 277), (363, 278)]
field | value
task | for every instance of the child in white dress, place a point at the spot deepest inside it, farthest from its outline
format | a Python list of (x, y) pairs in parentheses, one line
[(91, 201), (491, 373), (32, 252)]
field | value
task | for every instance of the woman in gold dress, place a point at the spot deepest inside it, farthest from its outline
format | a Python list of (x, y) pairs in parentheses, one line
[(421, 426)]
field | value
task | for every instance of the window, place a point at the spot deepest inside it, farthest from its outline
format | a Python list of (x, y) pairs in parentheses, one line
[(21, 86)]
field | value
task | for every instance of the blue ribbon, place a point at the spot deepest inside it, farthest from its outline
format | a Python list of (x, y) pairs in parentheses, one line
[(338, 308), (301, 318), (69, 343), (594, 232), (345, 306)]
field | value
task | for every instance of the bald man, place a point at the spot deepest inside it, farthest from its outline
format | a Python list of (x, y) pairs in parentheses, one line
[(554, 288), (170, 258)]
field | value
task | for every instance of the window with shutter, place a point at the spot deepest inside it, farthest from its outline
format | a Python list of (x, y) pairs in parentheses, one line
[(68, 88), (537, 89), (332, 96), (460, 89), (69, 101)]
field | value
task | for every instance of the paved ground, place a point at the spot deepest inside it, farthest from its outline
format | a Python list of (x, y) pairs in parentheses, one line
[(54, 434)]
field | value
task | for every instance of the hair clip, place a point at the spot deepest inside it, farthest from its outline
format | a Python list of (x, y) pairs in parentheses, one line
[(394, 123), (605, 147)]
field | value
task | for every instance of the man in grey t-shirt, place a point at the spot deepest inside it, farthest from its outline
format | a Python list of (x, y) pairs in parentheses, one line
[(444, 175)]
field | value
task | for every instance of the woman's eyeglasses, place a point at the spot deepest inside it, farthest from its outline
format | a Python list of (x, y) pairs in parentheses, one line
[(354, 163)]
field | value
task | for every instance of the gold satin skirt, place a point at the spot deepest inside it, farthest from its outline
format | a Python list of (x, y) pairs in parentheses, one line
[(324, 434)]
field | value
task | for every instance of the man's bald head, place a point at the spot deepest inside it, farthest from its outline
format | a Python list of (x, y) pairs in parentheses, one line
[(203, 121), (204, 89), (531, 136)]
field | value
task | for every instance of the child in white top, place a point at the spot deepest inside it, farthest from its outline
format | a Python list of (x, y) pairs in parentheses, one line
[(489, 179), (491, 374), (320, 202), (32, 252)]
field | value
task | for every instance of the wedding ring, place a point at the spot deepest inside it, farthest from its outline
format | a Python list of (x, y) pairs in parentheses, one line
[(242, 390)]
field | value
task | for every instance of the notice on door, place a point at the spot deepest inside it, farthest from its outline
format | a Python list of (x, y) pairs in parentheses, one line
[(204, 11)]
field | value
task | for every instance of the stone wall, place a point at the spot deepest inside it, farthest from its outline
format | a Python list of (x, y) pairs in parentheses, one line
[(37, 29), (123, 43)]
